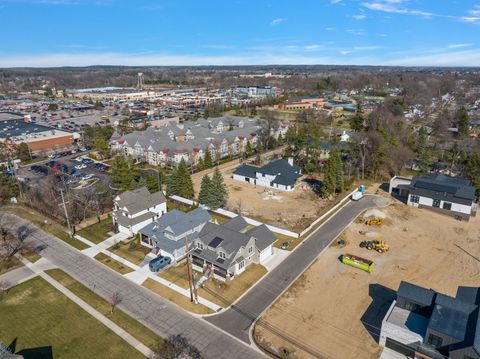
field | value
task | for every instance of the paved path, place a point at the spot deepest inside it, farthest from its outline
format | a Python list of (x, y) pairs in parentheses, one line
[(238, 319), (161, 316), (17, 276)]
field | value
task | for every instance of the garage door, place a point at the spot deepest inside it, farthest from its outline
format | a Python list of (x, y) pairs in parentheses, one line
[(400, 348)]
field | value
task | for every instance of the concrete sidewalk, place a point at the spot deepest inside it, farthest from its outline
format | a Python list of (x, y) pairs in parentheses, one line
[(17, 276)]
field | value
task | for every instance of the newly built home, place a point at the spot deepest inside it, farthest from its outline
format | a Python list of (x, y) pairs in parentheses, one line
[(424, 324), (279, 174), (225, 251), (133, 210), (169, 233), (436, 191)]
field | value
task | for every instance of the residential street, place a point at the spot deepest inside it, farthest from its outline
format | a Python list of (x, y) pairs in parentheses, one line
[(238, 319), (148, 308)]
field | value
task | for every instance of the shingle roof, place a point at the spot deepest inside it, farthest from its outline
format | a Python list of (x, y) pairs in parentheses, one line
[(139, 199), (415, 293), (264, 237), (246, 170), (438, 182), (237, 224), (285, 173)]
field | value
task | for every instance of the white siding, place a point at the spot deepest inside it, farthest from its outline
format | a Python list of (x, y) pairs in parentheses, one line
[(461, 208), (265, 254)]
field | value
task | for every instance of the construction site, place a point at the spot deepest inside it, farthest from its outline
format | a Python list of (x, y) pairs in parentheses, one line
[(335, 309)]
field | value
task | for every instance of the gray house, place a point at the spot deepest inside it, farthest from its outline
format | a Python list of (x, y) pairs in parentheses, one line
[(226, 250), (422, 323), (170, 232)]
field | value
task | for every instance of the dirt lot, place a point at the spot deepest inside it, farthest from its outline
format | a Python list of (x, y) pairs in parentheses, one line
[(290, 210), (326, 308)]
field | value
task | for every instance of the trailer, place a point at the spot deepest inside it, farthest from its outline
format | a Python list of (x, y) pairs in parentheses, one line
[(358, 262)]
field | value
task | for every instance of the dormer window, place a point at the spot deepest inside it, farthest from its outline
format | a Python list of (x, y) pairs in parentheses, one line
[(222, 255), (200, 245)]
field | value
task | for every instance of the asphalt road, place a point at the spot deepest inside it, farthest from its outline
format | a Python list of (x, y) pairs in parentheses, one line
[(238, 319), (148, 308)]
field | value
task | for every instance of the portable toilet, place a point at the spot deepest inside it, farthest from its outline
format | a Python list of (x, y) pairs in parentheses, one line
[(361, 188)]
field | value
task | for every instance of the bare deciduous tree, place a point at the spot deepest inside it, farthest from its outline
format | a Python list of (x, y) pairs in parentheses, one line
[(115, 299)]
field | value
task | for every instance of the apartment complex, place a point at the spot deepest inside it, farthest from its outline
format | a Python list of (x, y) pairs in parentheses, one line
[(167, 146)]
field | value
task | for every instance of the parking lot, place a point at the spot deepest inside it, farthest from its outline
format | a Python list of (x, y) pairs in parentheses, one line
[(73, 170)]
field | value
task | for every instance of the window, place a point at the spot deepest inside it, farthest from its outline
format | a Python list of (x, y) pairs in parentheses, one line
[(250, 250), (414, 199), (435, 340), (447, 205), (200, 245), (436, 203), (222, 255), (241, 264)]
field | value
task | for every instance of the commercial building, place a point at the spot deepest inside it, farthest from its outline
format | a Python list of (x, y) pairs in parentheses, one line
[(256, 91), (425, 324), (38, 138)]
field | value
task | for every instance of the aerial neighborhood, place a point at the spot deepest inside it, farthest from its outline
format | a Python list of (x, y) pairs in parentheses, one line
[(227, 211)]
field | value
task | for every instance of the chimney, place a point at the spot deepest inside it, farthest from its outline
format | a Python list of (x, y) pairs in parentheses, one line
[(290, 161)]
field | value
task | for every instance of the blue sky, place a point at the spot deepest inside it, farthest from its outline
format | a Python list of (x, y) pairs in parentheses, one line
[(239, 32)]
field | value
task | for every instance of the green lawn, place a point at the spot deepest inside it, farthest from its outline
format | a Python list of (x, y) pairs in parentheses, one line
[(6, 265), (112, 263), (36, 315), (134, 328), (134, 255), (97, 232), (51, 227)]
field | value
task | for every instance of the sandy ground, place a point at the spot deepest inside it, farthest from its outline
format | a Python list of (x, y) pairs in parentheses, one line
[(290, 210), (327, 307)]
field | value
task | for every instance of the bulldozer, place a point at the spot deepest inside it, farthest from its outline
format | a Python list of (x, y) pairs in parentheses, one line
[(376, 221), (378, 245)]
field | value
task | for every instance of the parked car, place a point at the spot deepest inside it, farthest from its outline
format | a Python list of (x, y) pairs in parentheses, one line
[(159, 263), (86, 176), (52, 156), (87, 161), (80, 167)]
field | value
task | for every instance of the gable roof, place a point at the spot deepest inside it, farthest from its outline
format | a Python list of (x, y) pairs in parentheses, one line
[(237, 223), (139, 199), (285, 173), (415, 293), (264, 237), (438, 182)]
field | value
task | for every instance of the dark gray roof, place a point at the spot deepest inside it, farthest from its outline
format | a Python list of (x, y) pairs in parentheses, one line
[(139, 199), (246, 170), (438, 182), (416, 294), (468, 295), (126, 222), (450, 316), (280, 166), (264, 237), (212, 257), (14, 128), (237, 224)]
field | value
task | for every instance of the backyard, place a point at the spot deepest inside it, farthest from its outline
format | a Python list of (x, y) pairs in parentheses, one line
[(38, 320)]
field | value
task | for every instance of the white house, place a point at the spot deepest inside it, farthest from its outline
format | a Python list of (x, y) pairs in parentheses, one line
[(133, 210), (278, 174)]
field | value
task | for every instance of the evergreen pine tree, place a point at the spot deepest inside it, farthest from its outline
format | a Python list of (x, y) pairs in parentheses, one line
[(207, 161), (200, 164), (328, 185), (219, 190), (248, 149), (423, 151), (173, 184), (338, 169), (205, 195), (185, 184), (463, 122)]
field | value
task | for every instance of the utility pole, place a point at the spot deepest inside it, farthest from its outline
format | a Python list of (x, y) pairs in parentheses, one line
[(189, 271), (66, 213)]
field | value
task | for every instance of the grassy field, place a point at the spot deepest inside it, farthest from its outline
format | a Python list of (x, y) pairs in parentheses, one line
[(53, 228), (177, 275), (175, 297), (218, 217), (137, 330), (97, 232), (6, 265), (36, 315), (135, 255), (112, 263), (224, 294)]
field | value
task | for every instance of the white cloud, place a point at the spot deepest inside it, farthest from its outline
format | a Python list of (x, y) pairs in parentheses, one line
[(470, 19), (277, 21), (395, 7), (360, 17), (459, 46), (448, 58), (330, 29)]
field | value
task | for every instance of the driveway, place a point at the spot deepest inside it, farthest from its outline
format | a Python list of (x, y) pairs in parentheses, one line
[(156, 313), (238, 319)]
